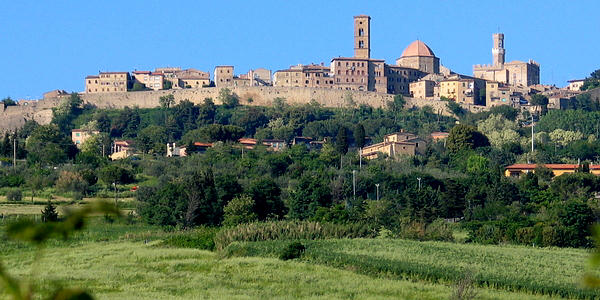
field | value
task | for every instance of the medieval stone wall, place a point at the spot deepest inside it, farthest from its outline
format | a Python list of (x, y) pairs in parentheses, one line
[(41, 110)]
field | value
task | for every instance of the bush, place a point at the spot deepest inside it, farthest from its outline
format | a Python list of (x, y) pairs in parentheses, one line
[(239, 211), (293, 250), (199, 238), (14, 195), (290, 230)]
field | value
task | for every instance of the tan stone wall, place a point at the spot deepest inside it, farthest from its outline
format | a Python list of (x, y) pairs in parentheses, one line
[(41, 110)]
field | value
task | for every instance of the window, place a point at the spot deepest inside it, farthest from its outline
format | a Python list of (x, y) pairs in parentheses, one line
[(361, 44), (360, 32)]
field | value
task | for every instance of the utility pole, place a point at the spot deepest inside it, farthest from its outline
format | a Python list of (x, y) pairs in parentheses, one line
[(419, 179), (116, 200), (354, 183), (15, 150), (377, 186), (360, 158), (531, 133)]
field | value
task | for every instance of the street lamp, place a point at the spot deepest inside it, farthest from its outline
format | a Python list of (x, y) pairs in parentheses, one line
[(419, 179), (377, 186)]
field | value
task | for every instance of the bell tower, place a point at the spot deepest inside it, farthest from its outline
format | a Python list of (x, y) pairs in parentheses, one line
[(498, 50), (362, 39)]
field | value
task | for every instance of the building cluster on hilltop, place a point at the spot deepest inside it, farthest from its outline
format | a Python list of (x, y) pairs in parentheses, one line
[(416, 73)]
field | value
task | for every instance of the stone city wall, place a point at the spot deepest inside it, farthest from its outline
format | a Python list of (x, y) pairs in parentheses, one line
[(41, 110)]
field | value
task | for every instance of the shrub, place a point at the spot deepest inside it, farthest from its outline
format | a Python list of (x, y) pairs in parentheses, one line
[(14, 195), (290, 230), (293, 250), (199, 238), (239, 210)]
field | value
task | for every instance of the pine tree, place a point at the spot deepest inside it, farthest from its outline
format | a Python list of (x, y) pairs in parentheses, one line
[(341, 142), (359, 136), (49, 213)]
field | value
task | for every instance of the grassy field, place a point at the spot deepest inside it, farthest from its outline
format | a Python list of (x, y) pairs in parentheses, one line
[(134, 270), (27, 207), (548, 271), (127, 261)]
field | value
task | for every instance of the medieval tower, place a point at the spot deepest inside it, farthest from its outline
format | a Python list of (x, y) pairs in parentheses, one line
[(498, 50), (362, 36)]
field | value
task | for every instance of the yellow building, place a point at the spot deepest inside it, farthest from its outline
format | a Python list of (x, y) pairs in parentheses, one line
[(151, 80), (422, 89), (79, 136), (575, 85), (108, 82), (517, 170), (396, 145)]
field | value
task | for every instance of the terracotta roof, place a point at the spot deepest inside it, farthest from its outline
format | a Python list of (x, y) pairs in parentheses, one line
[(92, 76), (362, 16), (114, 72), (141, 72), (575, 80), (549, 166), (356, 58), (199, 144), (417, 48)]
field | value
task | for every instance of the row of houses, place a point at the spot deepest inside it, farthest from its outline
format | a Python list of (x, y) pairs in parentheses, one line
[(173, 78)]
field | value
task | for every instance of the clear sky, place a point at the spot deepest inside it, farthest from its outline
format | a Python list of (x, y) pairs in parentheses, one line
[(48, 45)]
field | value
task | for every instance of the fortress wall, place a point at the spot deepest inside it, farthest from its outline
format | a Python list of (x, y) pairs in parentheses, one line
[(41, 110)]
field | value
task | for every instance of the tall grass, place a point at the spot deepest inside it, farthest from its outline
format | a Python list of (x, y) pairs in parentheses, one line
[(548, 271), (289, 230)]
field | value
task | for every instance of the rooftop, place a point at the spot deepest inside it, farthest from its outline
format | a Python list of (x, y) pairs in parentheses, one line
[(417, 48)]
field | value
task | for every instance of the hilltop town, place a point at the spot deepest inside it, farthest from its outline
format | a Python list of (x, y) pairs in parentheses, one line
[(417, 73)]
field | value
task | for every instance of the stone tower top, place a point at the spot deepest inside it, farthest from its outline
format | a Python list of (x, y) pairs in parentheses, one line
[(362, 36), (498, 50)]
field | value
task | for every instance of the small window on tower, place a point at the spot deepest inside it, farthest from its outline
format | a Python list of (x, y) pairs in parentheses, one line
[(360, 32), (361, 44)]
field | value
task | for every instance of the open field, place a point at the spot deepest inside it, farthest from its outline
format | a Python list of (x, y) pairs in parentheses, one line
[(134, 270), (126, 261), (27, 207), (551, 271)]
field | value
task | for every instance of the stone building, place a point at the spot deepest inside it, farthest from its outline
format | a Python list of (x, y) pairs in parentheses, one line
[(462, 89), (152, 80), (108, 82), (497, 93), (395, 145), (575, 85), (514, 73), (422, 89), (223, 76), (305, 76)]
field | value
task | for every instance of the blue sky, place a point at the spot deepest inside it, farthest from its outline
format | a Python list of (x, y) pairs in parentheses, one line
[(57, 43)]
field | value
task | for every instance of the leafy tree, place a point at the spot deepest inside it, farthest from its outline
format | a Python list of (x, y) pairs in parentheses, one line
[(8, 102), (214, 132), (592, 82), (266, 195), (202, 199), (455, 108), (239, 211), (47, 145), (138, 87), (115, 174), (152, 139), (206, 113), (539, 100), (359, 136), (499, 130), (228, 99), (166, 101), (465, 137), (307, 196), (565, 137)]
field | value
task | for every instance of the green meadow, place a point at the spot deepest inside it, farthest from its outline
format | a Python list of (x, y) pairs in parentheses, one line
[(129, 261)]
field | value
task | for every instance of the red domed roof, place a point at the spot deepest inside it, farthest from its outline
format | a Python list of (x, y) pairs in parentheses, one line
[(417, 48)]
